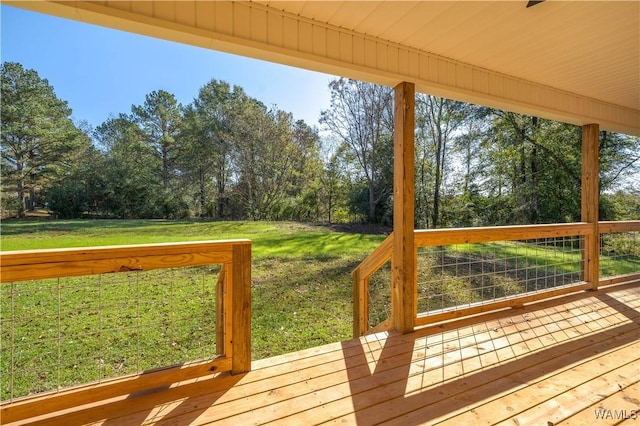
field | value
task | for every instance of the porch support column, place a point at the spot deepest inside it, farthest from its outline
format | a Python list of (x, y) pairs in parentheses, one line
[(403, 259), (240, 287), (590, 201)]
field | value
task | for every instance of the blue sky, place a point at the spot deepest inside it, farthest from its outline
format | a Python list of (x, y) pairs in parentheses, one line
[(102, 72)]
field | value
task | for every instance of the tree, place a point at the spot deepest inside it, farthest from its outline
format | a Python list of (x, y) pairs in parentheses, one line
[(332, 189), (437, 120), (130, 186), (68, 199), (301, 198), (361, 117), (464, 205), (159, 118), (619, 157), (531, 170), (271, 154), (205, 151), (621, 205), (39, 139), (73, 195)]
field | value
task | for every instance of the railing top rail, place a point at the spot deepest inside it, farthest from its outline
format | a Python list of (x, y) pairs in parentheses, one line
[(67, 262), (605, 227), (441, 237), (377, 258), (104, 252)]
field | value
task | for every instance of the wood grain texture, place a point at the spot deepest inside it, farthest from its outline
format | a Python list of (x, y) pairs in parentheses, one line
[(233, 301), (240, 312), (360, 277), (550, 361), (54, 263), (438, 237), (403, 257), (606, 227), (590, 202)]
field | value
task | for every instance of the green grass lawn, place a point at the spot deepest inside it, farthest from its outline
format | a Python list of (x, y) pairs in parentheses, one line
[(301, 297), (301, 294), (279, 239)]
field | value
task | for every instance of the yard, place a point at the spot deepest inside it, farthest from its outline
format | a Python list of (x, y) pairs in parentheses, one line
[(115, 324)]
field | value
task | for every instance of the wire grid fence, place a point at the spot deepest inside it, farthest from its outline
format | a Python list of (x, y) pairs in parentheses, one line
[(57, 333), (619, 253), (458, 276), (380, 295)]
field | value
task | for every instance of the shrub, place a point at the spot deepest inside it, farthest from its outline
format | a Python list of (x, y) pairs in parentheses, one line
[(68, 200)]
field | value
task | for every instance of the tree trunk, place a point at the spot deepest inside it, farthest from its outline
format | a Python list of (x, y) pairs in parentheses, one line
[(534, 211), (372, 202), (165, 166), (523, 174), (21, 190), (438, 179), (220, 187), (203, 195)]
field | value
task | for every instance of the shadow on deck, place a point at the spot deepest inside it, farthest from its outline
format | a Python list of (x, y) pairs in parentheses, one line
[(569, 360)]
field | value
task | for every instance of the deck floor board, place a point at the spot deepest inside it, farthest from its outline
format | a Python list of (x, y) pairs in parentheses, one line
[(553, 362)]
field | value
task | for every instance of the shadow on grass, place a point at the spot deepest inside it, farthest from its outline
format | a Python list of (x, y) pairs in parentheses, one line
[(315, 244), (300, 303)]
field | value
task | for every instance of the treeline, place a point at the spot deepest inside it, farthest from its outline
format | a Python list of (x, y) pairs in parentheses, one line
[(223, 156), (228, 156)]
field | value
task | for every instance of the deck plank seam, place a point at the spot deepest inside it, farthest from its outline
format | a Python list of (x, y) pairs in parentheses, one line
[(525, 383), (399, 398)]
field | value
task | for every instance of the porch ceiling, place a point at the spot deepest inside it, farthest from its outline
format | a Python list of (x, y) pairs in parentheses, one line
[(590, 48), (574, 61)]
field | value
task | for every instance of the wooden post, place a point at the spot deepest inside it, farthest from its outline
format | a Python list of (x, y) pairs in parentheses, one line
[(360, 304), (241, 309), (403, 259), (590, 201)]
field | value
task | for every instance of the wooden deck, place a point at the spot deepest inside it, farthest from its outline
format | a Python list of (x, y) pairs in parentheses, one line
[(566, 361)]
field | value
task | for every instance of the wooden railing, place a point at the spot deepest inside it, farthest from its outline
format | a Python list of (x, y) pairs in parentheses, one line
[(631, 227), (233, 311), (446, 237), (361, 276)]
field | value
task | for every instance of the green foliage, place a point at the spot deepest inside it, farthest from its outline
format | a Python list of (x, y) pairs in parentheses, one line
[(228, 156), (275, 158), (68, 199), (437, 120), (619, 157), (159, 120), (9, 206), (620, 205), (40, 143), (204, 156), (358, 201), (130, 182), (331, 188), (361, 119)]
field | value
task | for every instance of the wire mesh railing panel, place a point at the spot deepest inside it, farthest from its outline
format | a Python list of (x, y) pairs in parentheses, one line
[(457, 276), (62, 332), (380, 295), (619, 253)]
